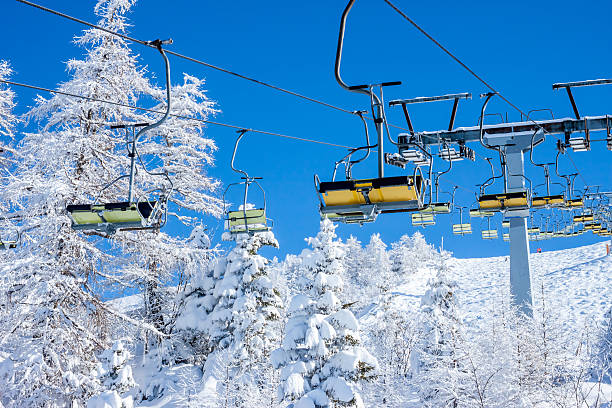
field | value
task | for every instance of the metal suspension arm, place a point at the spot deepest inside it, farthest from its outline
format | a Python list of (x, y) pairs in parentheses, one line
[(157, 43)]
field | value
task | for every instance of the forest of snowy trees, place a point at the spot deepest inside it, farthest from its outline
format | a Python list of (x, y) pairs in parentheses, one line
[(218, 324)]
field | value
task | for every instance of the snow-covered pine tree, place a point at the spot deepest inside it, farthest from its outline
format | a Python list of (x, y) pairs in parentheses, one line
[(115, 374), (236, 305), (320, 359), (436, 363), (377, 267), (353, 265)]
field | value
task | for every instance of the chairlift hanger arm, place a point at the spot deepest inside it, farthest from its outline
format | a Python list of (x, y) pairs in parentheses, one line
[(569, 85)]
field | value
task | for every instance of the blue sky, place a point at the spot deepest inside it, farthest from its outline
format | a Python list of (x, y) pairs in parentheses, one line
[(521, 48)]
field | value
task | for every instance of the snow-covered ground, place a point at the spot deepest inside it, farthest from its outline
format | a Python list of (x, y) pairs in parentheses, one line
[(576, 283)]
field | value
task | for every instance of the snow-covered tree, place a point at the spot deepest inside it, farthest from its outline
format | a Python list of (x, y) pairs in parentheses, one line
[(61, 272), (604, 354), (376, 266), (235, 305), (8, 120), (116, 377), (353, 264), (321, 360), (437, 366), (409, 254)]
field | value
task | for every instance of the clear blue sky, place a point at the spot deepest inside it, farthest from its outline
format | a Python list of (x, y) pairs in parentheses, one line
[(520, 47)]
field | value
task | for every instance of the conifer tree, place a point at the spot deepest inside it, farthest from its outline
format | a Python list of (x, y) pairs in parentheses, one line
[(321, 360), (437, 366), (235, 307)]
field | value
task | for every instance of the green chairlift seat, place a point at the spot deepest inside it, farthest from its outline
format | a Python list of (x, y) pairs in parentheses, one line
[(423, 219), (489, 234), (253, 220), (478, 213), (438, 208), (462, 229), (114, 216)]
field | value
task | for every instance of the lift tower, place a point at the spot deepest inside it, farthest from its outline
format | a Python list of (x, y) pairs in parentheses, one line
[(514, 139)]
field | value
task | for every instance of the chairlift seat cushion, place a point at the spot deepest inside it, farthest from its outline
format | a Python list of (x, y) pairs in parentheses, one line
[(113, 213), (476, 212), (8, 244), (574, 203), (554, 200), (592, 226), (423, 219), (379, 190), (583, 218), (489, 234), (504, 200), (461, 229), (441, 208), (256, 216)]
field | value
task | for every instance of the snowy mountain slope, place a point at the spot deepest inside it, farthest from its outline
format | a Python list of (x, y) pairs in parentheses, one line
[(577, 281)]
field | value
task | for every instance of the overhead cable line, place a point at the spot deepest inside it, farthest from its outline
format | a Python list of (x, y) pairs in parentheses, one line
[(210, 122), (191, 59), (450, 54), (472, 72)]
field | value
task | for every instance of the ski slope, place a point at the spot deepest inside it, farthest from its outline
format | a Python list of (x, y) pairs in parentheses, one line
[(576, 282)]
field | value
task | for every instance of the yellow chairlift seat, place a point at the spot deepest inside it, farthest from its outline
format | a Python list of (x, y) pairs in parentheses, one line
[(548, 201), (8, 245), (462, 229), (583, 218), (574, 203), (478, 213), (489, 234), (113, 216), (506, 223), (361, 201), (533, 230), (423, 219), (592, 226), (251, 220), (605, 232), (498, 202), (506, 236)]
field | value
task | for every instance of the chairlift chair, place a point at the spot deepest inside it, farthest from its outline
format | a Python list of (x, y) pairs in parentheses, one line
[(362, 200), (462, 228), (583, 218), (423, 219), (245, 220), (134, 214), (489, 233)]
